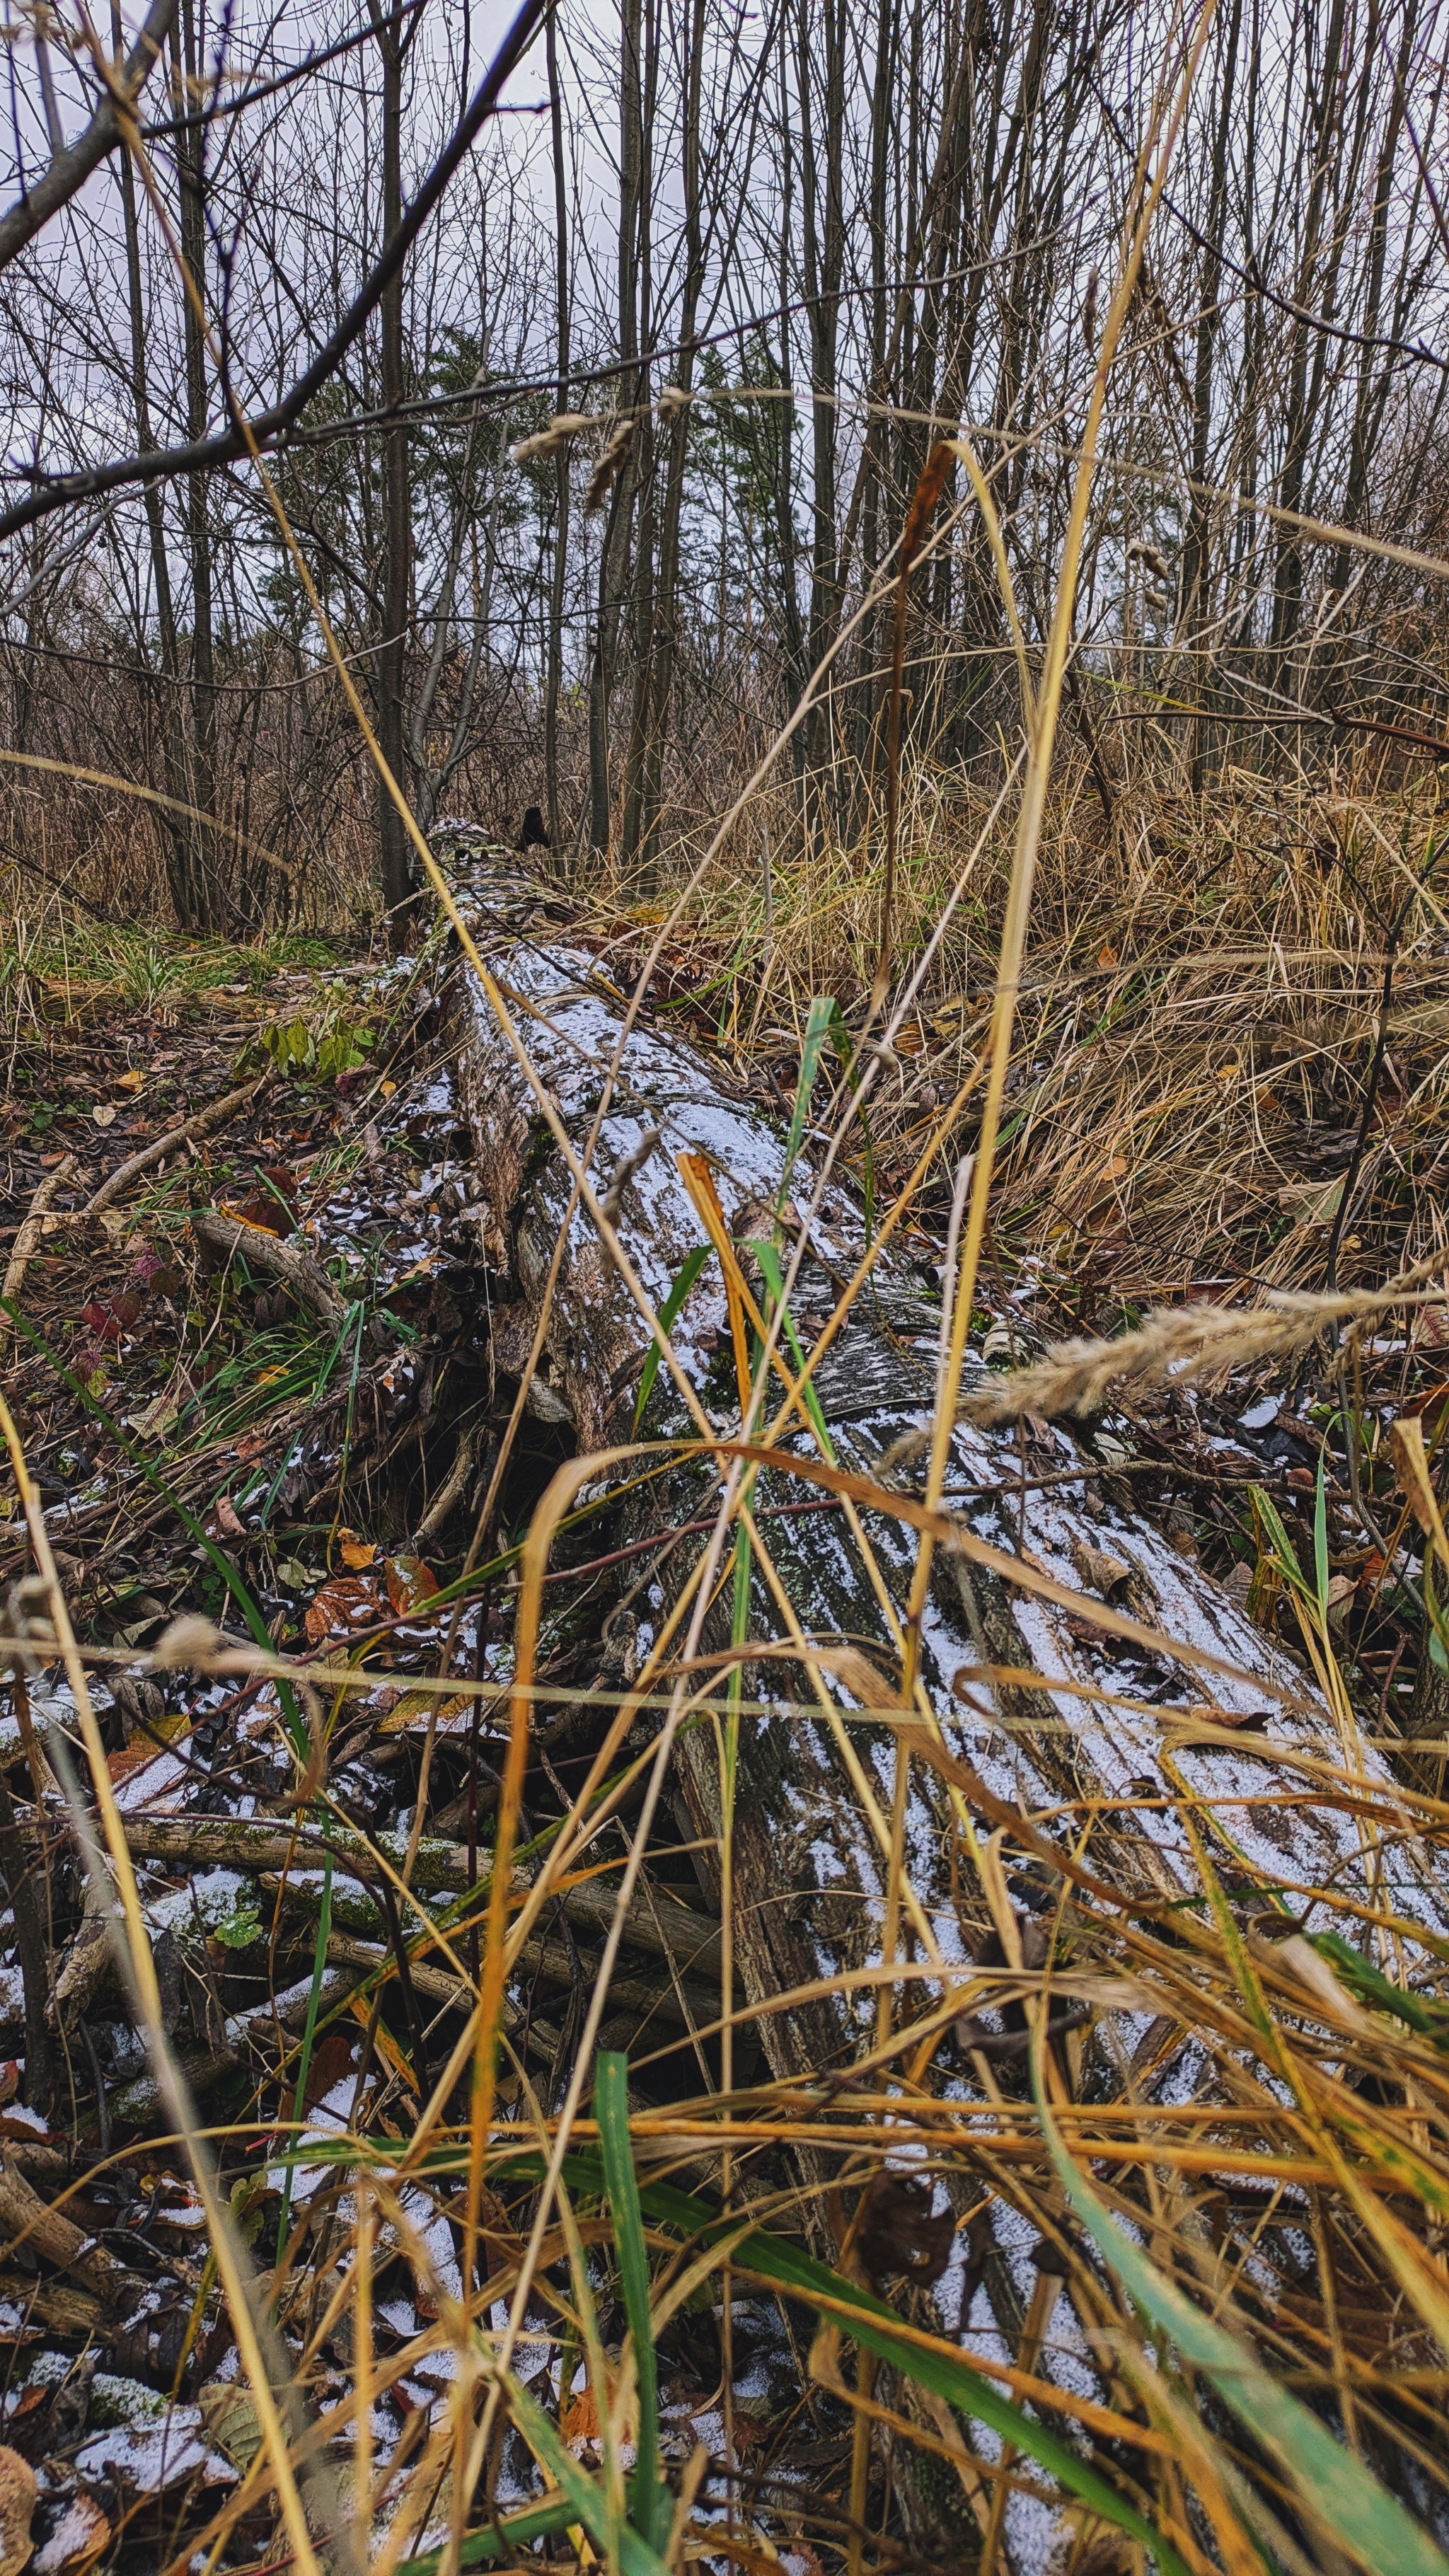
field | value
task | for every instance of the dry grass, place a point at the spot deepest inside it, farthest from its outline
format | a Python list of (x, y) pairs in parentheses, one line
[(1253, 2073), (1196, 1023)]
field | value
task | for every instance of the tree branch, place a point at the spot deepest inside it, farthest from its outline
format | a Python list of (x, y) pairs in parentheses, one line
[(71, 168), (267, 427)]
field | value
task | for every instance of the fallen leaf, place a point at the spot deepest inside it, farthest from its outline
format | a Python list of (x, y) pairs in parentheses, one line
[(81, 2536), (133, 1080), (104, 1113), (579, 2420), (345, 1603), (1406, 1440), (18, 2491), (409, 1583), (357, 1552), (1109, 1575), (1106, 954), (159, 1415), (131, 1757), (332, 2060), (897, 2233), (229, 2414), (222, 1522), (108, 1318)]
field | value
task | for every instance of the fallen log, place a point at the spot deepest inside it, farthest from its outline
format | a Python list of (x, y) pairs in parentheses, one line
[(808, 1863)]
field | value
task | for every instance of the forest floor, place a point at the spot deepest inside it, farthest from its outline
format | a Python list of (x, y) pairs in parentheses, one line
[(255, 1386)]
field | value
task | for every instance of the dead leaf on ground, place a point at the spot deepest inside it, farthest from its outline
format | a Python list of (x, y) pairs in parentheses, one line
[(897, 2233), (579, 2421), (344, 1605), (18, 2491), (229, 2414), (81, 2536), (409, 1584), (1108, 1575)]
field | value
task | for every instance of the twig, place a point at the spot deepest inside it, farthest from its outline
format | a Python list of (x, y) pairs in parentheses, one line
[(216, 1115), (30, 1233)]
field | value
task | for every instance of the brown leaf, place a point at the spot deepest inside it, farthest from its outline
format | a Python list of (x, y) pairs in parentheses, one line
[(18, 2491), (579, 2420), (331, 2061), (409, 1583), (222, 1522), (1406, 1439), (228, 2411), (343, 1604), (897, 2233), (81, 2536), (1109, 1575)]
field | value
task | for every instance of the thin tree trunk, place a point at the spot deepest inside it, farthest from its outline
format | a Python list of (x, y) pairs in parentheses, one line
[(666, 603), (614, 556), (554, 678), (206, 897), (397, 582)]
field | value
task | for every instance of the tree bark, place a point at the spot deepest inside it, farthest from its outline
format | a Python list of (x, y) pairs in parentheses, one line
[(559, 577), (205, 892), (395, 847)]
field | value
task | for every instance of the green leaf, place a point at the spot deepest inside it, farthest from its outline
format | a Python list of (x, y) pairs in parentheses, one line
[(1340, 2494), (649, 2501), (689, 1271)]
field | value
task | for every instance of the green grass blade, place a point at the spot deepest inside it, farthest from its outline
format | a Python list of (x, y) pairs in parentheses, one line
[(774, 1277), (1340, 2494), (536, 2522), (649, 2502), (689, 1271), (583, 2494), (871, 2323), (823, 1010), (309, 2033), (1285, 1555)]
